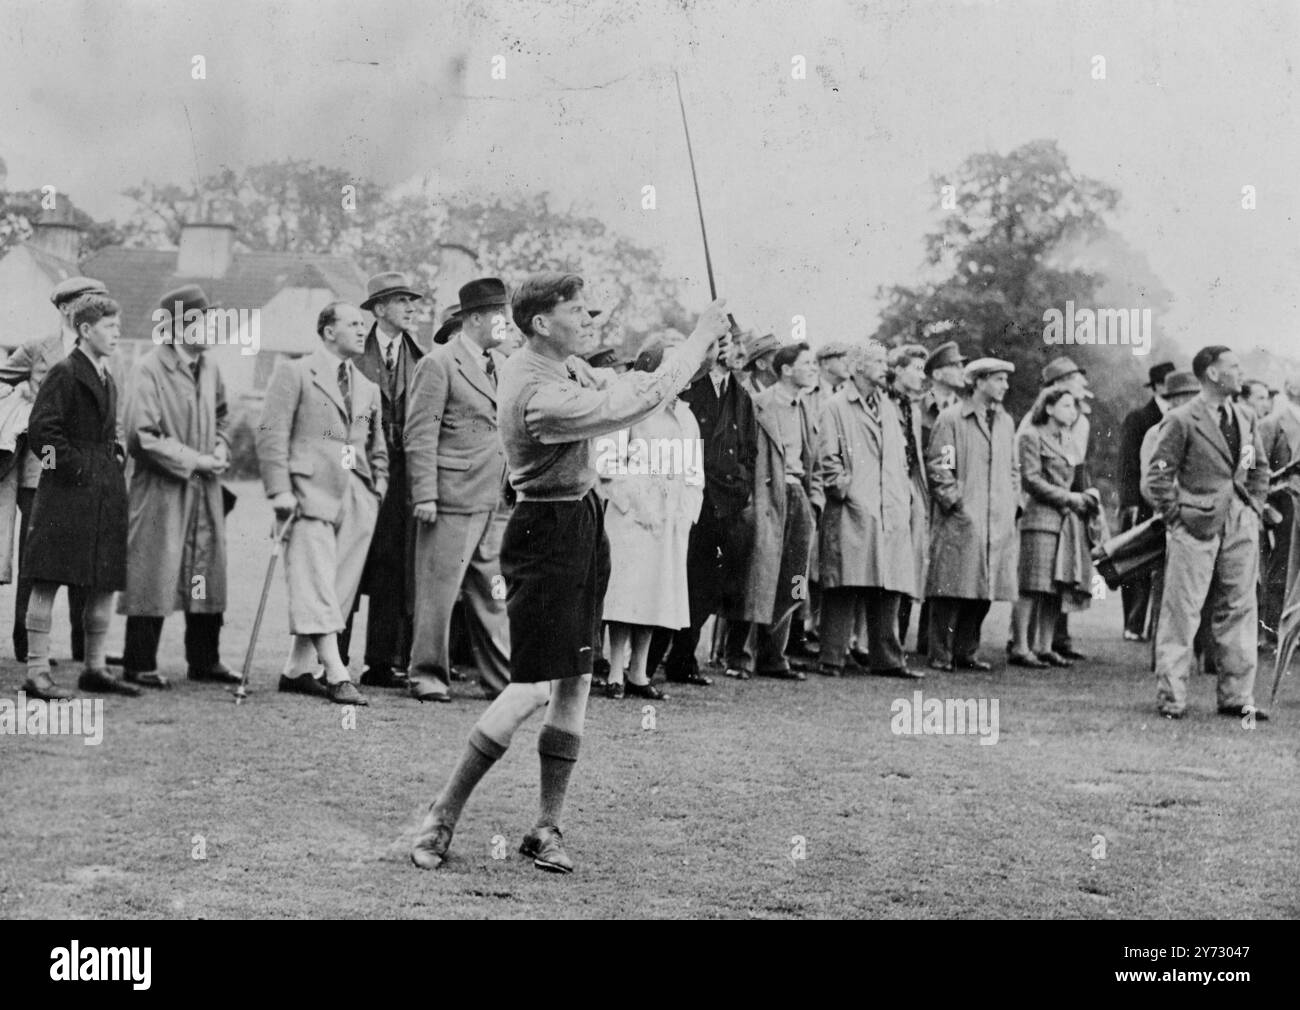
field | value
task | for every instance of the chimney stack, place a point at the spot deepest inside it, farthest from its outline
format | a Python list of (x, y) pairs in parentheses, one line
[(57, 233), (206, 249)]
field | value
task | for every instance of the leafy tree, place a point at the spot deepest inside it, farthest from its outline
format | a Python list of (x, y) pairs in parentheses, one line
[(994, 267)]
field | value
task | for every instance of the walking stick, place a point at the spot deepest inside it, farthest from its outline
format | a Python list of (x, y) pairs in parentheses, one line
[(277, 545)]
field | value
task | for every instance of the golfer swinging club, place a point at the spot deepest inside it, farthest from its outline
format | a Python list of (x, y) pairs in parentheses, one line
[(554, 555)]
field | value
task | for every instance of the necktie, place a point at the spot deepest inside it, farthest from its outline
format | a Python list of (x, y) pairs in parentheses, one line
[(1229, 430), (390, 356), (873, 405), (989, 415), (345, 388), (490, 367)]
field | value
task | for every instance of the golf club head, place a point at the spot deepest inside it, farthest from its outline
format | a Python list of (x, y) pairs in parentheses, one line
[(240, 692)]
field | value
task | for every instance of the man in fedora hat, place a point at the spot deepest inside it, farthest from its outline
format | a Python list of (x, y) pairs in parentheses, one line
[(177, 438), (975, 485), (457, 468), (448, 326), (1281, 434), (389, 361), (759, 352), (23, 373), (1133, 509)]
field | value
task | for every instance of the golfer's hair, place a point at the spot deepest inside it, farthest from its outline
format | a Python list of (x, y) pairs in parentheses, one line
[(787, 356), (1049, 397), (539, 294), (860, 354), (1248, 388), (91, 308), (328, 316), (1206, 357)]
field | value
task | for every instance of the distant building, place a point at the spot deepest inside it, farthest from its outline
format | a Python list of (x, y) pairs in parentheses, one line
[(279, 293), (29, 272)]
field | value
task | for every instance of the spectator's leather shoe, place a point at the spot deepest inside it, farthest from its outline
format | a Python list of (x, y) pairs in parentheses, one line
[(375, 677), (1068, 653), (787, 674), (545, 846), (217, 674), (942, 667), (644, 691), (428, 689), (100, 681), (737, 673), (43, 687), (972, 663), (304, 683), (345, 693), (613, 689), (1026, 659), (148, 678), (431, 844), (1052, 658)]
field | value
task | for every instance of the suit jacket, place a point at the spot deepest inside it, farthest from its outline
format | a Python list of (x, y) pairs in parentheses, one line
[(454, 453), (730, 437), (1136, 424), (1046, 473), (29, 364), (1192, 478), (396, 396), (305, 443), (1281, 434)]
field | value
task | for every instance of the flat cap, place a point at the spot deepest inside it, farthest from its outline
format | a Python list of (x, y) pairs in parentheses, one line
[(832, 349), (74, 287), (988, 366), (1059, 368)]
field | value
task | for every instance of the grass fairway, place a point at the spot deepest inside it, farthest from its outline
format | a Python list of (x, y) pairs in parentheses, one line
[(299, 815)]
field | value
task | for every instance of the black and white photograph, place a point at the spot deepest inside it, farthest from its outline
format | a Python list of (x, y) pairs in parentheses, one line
[(576, 459)]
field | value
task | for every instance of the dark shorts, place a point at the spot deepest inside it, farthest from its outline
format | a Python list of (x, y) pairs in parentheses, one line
[(555, 560)]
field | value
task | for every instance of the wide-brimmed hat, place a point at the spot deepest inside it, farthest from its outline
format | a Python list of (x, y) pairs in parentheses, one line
[(1157, 373), (756, 346), (987, 366), (1059, 368), (947, 353), (484, 293), (189, 297), (75, 287), (385, 285), (451, 320), (1181, 383)]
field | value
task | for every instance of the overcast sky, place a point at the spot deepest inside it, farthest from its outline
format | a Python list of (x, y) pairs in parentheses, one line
[(816, 191)]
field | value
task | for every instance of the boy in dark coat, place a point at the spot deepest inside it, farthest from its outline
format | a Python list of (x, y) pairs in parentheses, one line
[(78, 530)]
